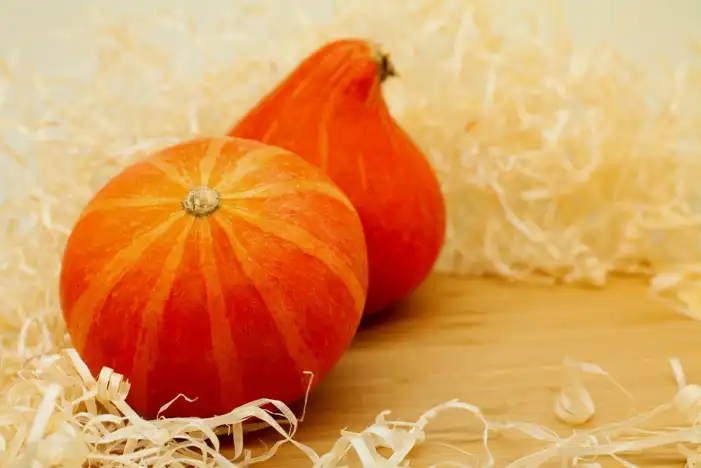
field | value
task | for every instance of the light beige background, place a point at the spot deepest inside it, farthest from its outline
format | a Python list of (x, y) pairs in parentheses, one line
[(640, 27)]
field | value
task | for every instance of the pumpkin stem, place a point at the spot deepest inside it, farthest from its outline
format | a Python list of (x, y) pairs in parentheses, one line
[(201, 201), (384, 64)]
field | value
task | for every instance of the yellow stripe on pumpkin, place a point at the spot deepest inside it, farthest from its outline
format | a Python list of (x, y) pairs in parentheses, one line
[(279, 189), (107, 203), (224, 348), (249, 163), (92, 299), (309, 244), (152, 316), (174, 173), (207, 163), (275, 301)]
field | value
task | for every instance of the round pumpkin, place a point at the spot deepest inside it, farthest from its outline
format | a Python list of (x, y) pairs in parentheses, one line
[(221, 269)]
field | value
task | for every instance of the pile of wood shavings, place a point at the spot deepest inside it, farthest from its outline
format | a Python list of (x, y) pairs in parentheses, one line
[(570, 165)]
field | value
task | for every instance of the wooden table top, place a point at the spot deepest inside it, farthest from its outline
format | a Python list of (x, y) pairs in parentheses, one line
[(500, 346)]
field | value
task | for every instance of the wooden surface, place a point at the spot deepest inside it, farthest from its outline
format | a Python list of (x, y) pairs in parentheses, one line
[(500, 346)]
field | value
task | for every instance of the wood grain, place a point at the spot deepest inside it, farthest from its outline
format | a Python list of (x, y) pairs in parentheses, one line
[(500, 346)]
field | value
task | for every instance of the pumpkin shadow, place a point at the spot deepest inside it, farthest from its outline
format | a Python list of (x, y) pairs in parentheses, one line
[(411, 306), (388, 314)]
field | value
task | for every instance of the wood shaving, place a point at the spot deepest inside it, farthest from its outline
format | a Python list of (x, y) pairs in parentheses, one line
[(679, 289), (574, 405), (557, 166)]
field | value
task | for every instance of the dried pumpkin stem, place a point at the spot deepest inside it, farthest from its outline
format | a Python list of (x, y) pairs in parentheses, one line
[(201, 201), (384, 64)]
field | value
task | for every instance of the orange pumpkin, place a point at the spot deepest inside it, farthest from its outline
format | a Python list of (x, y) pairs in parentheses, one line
[(330, 110), (222, 269)]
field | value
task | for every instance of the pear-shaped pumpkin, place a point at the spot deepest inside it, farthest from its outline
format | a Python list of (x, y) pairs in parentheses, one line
[(330, 110)]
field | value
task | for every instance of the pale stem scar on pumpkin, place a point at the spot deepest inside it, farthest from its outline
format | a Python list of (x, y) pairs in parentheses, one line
[(310, 245), (275, 300), (201, 201)]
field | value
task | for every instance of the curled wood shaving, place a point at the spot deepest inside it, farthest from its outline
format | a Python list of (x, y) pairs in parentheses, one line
[(582, 448), (680, 289), (79, 419), (399, 436), (617, 439), (574, 405)]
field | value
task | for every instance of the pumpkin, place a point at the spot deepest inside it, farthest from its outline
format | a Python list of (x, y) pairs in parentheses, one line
[(221, 269), (330, 110)]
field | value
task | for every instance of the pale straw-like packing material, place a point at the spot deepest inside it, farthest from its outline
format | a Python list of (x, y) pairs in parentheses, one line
[(557, 166)]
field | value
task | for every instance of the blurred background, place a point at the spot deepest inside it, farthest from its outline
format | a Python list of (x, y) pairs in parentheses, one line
[(639, 27)]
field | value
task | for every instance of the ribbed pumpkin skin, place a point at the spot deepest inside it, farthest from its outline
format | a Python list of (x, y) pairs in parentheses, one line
[(228, 307), (330, 110)]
